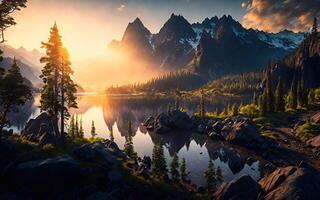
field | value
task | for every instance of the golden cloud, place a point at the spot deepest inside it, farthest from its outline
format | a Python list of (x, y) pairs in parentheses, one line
[(277, 15)]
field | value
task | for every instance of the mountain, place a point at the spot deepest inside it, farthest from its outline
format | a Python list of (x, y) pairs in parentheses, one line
[(230, 47), (25, 69), (30, 58), (302, 64)]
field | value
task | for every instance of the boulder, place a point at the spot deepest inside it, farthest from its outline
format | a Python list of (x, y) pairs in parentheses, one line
[(41, 125), (245, 134), (316, 118), (106, 151), (47, 175), (216, 136), (115, 177), (241, 188), (315, 142), (217, 126), (166, 122), (180, 120), (292, 183)]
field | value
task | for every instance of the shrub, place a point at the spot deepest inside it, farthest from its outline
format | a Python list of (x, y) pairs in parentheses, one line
[(250, 110)]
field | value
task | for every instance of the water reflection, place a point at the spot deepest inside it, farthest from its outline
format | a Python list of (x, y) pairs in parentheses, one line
[(113, 114)]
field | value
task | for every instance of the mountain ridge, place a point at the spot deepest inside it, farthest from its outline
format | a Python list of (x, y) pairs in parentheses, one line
[(175, 46)]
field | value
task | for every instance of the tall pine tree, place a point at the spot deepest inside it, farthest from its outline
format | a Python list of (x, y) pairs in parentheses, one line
[(58, 91), (280, 101)]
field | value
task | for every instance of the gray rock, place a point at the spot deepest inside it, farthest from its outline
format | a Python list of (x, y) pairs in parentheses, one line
[(242, 188), (292, 183), (107, 151), (115, 177), (244, 133), (48, 174)]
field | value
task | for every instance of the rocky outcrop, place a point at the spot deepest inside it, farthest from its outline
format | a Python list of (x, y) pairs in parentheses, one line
[(244, 133), (238, 130), (106, 151), (291, 183), (316, 118), (42, 129), (51, 174), (315, 143), (170, 121), (242, 188)]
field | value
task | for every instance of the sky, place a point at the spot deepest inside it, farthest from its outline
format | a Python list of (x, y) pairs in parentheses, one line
[(87, 26)]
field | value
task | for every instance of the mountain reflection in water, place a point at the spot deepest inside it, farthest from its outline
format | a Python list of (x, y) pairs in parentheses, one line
[(113, 114)]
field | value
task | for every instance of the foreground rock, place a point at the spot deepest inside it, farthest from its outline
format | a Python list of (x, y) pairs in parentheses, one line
[(292, 183), (316, 118), (244, 133), (53, 174), (42, 129), (242, 188), (106, 151), (315, 143)]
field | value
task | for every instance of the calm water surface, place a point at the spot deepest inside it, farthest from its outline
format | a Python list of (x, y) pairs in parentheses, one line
[(113, 113)]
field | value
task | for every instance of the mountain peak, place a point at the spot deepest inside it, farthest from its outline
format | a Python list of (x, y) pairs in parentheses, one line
[(137, 21), (135, 29), (177, 27)]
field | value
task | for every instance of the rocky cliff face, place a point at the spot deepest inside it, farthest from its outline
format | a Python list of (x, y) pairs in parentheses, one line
[(212, 48), (303, 64)]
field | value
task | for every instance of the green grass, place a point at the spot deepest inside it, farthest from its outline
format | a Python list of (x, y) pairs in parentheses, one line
[(308, 131), (271, 135)]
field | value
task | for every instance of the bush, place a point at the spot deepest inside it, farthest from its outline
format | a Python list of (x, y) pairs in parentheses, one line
[(250, 110), (317, 95), (308, 130)]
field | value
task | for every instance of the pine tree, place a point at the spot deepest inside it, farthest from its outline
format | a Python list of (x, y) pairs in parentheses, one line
[(235, 110), (81, 131), (93, 130), (210, 175), (311, 96), (269, 93), (292, 100), (58, 91), (183, 170), (174, 168), (76, 128), (254, 99), (159, 166), (13, 93), (218, 174), (111, 135), (202, 111), (128, 146), (71, 130), (315, 26), (7, 7), (177, 103), (280, 102)]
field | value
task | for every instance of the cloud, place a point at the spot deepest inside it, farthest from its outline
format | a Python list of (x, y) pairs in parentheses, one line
[(276, 15), (121, 7)]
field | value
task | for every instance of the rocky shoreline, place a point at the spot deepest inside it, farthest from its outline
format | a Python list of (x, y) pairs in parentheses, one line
[(101, 170)]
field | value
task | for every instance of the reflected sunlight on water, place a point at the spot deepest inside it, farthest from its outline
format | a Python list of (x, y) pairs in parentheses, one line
[(112, 114)]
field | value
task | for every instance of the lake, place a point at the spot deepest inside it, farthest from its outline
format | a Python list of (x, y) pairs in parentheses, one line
[(113, 113)]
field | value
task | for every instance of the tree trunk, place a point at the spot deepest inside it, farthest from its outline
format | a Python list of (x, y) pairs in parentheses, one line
[(62, 103)]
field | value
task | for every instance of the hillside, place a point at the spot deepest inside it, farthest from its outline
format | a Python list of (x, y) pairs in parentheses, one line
[(302, 64)]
